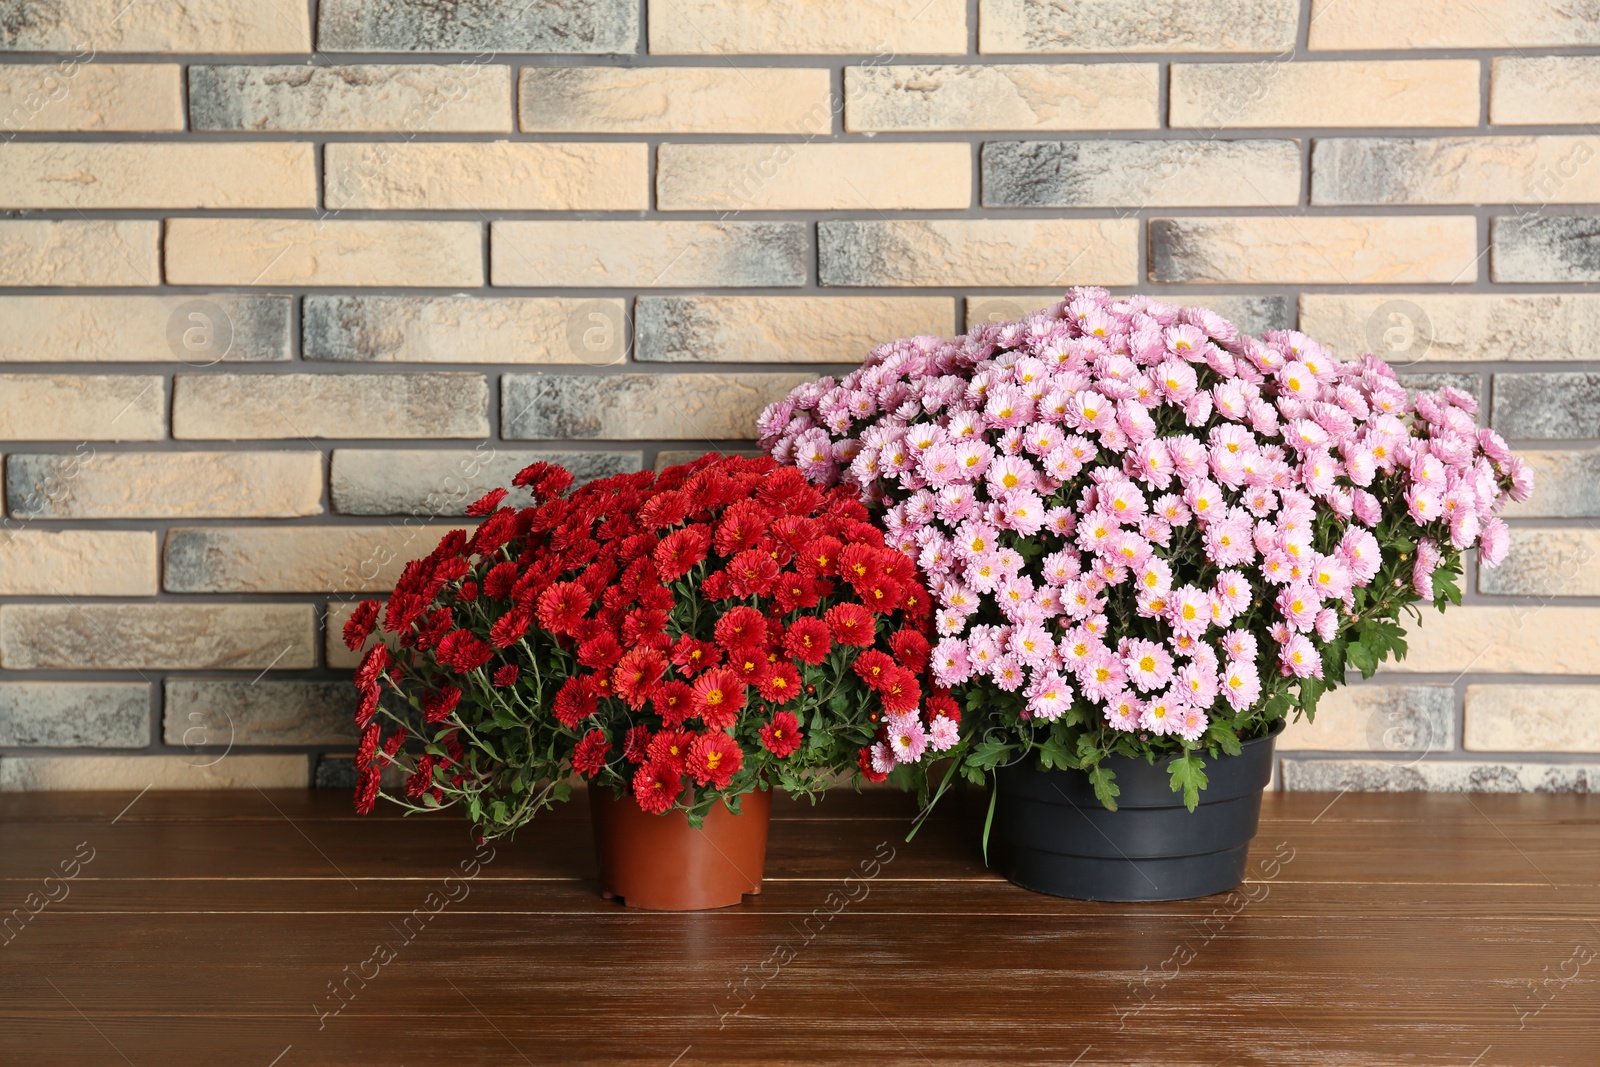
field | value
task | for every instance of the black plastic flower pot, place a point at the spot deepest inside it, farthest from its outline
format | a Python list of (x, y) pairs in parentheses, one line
[(1051, 835)]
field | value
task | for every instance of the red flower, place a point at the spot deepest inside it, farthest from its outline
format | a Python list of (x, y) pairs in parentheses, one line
[(367, 790), (509, 628), (741, 527), (741, 627), (808, 640), (590, 756), (468, 591), (851, 624), (576, 700), (635, 743), (884, 595), (664, 509), (368, 707), (899, 690), (864, 762), (487, 502), (671, 747), (358, 627), (821, 557), (751, 573), (402, 611), (718, 698), (367, 750), (507, 675), (860, 565), (911, 649), (793, 591), (544, 480), (433, 630), (674, 702), (438, 706), (562, 607), (750, 664), (637, 675), (373, 664), (781, 736), (421, 778), (781, 684), (872, 666), (656, 786), (681, 550), (463, 652), (691, 656), (500, 580), (644, 625), (600, 651), (940, 705), (714, 758)]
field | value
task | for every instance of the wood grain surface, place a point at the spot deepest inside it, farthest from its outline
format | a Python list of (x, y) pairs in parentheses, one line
[(278, 929)]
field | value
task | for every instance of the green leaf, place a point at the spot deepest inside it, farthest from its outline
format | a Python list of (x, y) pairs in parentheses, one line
[(989, 754), (1223, 736), (1362, 659), (988, 820), (1053, 754), (1311, 690), (1188, 774), (1105, 786)]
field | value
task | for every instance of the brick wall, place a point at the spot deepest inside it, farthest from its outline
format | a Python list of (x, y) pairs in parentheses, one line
[(285, 286)]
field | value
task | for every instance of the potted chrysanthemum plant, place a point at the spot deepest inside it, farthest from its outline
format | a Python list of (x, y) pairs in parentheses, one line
[(684, 642), (1150, 539)]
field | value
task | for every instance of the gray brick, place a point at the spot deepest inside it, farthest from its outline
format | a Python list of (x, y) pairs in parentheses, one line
[(74, 714), (1315, 249), (157, 636), (1548, 406), (304, 559), (1252, 314), (633, 407), (1546, 563), (1568, 485), (86, 484), (1205, 173), (137, 772), (465, 329), (1453, 170), (1545, 248), (207, 713), (1138, 26), (781, 329), (428, 482), (1467, 383), (458, 98), (1373, 717), (1439, 776), (590, 27), (198, 329), (983, 252), (296, 406)]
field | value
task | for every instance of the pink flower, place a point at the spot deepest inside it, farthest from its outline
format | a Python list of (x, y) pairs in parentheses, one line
[(907, 737), (1422, 568), (1298, 658), (1124, 711), (1192, 723), (1101, 674), (1423, 504), (1298, 604), (1241, 686), (1189, 611), (1148, 665), (1493, 543), (1240, 644), (1161, 715), (943, 734), (1049, 696)]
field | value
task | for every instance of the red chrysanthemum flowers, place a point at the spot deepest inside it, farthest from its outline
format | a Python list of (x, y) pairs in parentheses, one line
[(714, 759), (781, 736), (719, 696), (657, 786)]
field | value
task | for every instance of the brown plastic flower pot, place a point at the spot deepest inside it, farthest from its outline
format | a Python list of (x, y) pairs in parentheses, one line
[(661, 863)]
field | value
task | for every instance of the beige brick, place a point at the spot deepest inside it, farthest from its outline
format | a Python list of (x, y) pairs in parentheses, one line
[(426, 98), (338, 252), (307, 559), (1546, 563), (197, 329), (184, 637), (1351, 24), (432, 482), (1454, 328), (491, 176), (20, 774), (75, 714), (1532, 718), (82, 407), (45, 175), (164, 485), (720, 100), (1544, 90), (1009, 96), (1252, 314), (638, 407), (942, 252), (207, 713), (1356, 92), (1135, 174), (77, 562), (1568, 482), (68, 95), (84, 27), (241, 407), (80, 252), (782, 329), (648, 254), (1377, 718), (1455, 170), (465, 329), (1138, 26), (1314, 250), (812, 177), (1520, 639), (808, 27)]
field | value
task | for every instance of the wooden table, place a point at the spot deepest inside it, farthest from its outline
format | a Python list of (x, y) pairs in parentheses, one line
[(279, 928)]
